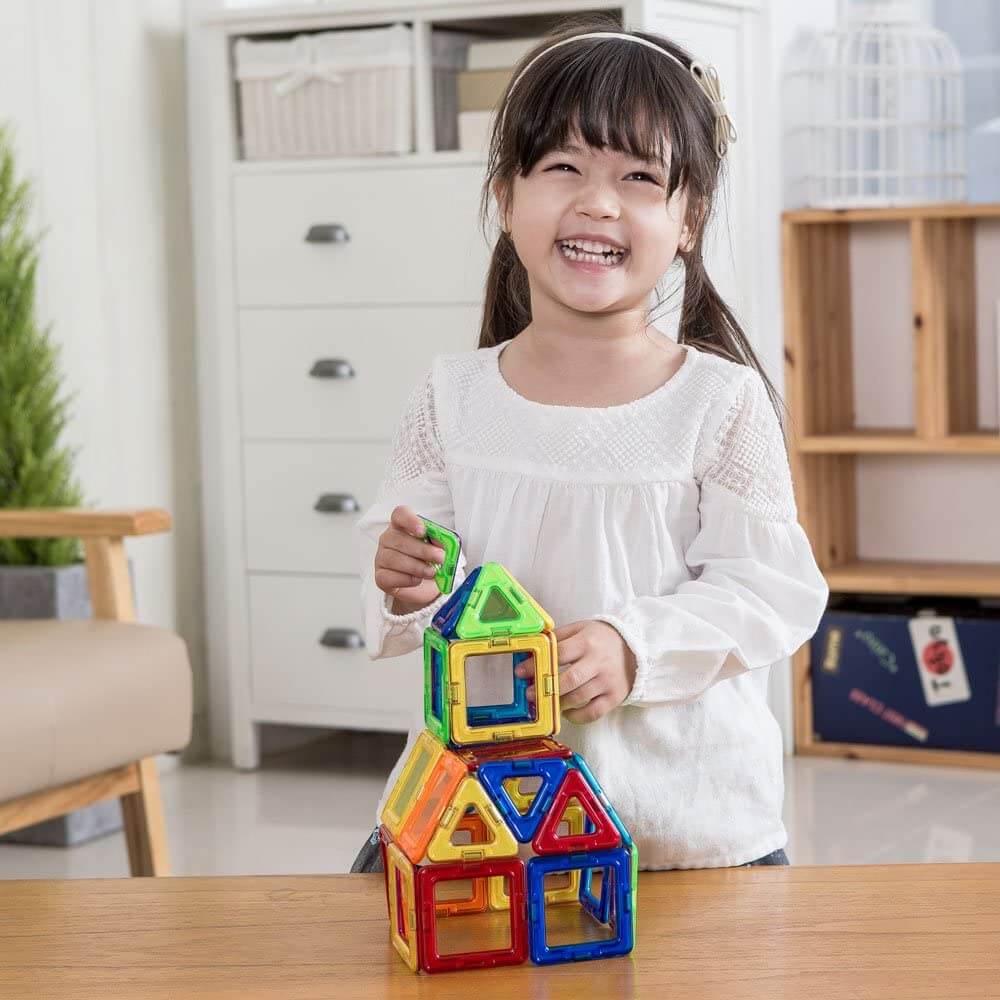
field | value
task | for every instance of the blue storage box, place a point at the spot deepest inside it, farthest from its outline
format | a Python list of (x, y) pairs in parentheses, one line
[(908, 672)]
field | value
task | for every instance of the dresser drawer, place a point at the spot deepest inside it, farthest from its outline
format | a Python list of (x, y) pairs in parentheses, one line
[(386, 351), (285, 481), (289, 615), (411, 236)]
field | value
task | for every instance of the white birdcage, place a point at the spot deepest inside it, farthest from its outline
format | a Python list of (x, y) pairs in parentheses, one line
[(874, 113)]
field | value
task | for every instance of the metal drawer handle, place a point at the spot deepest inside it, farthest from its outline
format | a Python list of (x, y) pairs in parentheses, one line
[(342, 638), (332, 368), (327, 232), (336, 503)]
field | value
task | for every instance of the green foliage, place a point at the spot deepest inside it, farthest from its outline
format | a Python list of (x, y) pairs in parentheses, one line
[(35, 470)]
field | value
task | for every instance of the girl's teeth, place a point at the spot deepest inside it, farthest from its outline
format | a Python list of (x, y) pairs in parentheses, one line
[(594, 258)]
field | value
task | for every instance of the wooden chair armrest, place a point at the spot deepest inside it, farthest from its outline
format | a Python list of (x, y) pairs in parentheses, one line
[(78, 522)]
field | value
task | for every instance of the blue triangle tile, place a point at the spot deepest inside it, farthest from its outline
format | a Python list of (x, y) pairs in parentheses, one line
[(449, 613), (493, 774)]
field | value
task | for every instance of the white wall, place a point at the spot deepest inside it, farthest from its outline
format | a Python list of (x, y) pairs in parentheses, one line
[(94, 90)]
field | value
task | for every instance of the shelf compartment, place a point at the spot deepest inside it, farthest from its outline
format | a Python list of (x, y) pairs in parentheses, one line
[(836, 381), (826, 496), (342, 92), (807, 743), (818, 348), (932, 345), (831, 454), (464, 99), (944, 325)]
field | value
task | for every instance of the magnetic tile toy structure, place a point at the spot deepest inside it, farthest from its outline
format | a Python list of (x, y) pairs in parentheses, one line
[(498, 843)]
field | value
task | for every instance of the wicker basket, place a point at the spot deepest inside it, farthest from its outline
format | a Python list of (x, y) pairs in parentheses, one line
[(336, 93)]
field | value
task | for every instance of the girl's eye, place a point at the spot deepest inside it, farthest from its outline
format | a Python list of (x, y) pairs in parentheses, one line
[(635, 173)]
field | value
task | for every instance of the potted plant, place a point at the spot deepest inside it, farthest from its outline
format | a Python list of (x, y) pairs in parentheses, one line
[(45, 577)]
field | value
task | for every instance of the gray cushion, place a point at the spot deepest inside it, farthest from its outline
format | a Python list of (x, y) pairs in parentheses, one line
[(79, 697)]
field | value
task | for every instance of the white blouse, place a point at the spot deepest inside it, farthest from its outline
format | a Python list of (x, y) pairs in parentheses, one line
[(670, 517)]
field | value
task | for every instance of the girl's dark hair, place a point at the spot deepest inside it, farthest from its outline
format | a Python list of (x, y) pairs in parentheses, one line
[(619, 95)]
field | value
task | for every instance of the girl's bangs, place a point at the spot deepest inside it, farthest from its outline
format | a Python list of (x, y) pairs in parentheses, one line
[(607, 102)]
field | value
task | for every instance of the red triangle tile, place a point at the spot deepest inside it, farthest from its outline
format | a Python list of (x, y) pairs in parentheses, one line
[(547, 839)]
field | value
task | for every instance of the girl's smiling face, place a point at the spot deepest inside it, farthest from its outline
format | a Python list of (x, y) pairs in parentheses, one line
[(612, 198)]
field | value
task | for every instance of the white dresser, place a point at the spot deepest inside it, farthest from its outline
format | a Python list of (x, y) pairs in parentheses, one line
[(324, 289)]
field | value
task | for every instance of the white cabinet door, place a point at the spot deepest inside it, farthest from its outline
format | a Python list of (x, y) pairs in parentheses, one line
[(285, 481), (366, 361), (409, 236), (291, 665)]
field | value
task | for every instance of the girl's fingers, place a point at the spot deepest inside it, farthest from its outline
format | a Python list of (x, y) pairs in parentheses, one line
[(576, 676), (408, 521), (527, 668), (577, 685), (571, 661), (398, 541), (408, 533), (404, 558), (388, 580), (399, 563), (582, 695), (565, 631), (570, 650), (590, 712)]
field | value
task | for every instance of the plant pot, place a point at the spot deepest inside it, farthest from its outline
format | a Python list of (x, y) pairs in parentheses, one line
[(58, 592)]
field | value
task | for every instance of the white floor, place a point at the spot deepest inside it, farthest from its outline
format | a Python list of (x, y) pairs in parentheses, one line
[(308, 811)]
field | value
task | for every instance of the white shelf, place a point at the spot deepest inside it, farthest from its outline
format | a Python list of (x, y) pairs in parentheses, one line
[(443, 158), (320, 14)]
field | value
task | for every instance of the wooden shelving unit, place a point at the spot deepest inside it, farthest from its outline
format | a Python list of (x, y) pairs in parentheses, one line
[(824, 440)]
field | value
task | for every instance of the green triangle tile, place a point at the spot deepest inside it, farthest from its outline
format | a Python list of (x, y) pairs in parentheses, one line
[(497, 608), (498, 605)]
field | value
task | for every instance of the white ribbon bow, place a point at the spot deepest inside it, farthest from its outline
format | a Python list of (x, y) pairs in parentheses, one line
[(303, 73), (711, 85)]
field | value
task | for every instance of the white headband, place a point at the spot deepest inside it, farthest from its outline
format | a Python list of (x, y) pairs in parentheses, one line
[(705, 76)]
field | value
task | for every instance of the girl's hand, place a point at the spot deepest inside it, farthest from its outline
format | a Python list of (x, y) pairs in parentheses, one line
[(596, 670), (405, 564)]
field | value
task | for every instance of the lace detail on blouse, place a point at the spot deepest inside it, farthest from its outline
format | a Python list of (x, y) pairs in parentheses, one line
[(750, 460), (416, 446)]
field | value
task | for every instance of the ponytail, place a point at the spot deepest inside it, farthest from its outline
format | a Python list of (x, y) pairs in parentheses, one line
[(708, 324), (507, 302)]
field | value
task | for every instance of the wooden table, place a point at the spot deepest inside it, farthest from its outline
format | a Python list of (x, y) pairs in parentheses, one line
[(830, 933)]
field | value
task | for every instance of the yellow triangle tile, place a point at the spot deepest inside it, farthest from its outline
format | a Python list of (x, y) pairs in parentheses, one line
[(502, 843)]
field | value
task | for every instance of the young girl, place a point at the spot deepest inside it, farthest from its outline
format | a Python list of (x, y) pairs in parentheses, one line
[(638, 488)]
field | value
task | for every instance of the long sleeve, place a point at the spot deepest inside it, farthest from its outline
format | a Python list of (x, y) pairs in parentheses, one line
[(415, 476), (757, 594)]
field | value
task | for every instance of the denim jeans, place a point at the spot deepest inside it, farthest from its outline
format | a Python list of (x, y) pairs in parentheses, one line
[(369, 858)]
